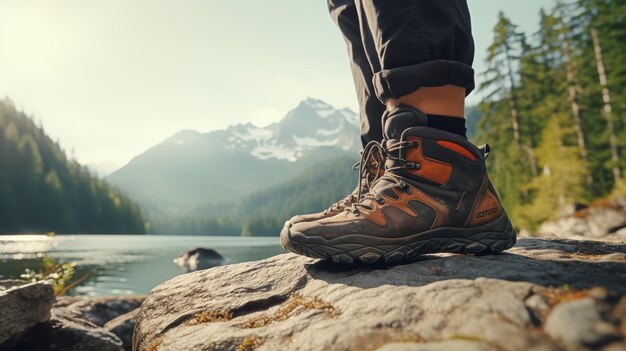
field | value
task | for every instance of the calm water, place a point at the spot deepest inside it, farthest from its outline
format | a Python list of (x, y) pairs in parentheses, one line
[(123, 264)]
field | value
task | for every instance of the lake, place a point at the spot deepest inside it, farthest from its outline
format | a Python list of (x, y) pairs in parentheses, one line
[(123, 264)]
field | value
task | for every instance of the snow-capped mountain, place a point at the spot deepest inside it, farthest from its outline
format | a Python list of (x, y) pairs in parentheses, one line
[(311, 125), (192, 168)]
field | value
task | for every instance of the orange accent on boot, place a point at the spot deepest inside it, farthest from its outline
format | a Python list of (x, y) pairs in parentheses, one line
[(457, 148), (486, 208), (377, 216), (431, 169)]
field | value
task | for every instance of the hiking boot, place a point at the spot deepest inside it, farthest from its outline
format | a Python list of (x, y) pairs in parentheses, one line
[(434, 196), (370, 169)]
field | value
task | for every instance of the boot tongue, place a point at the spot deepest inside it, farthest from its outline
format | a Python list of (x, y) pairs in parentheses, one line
[(400, 119), (395, 123)]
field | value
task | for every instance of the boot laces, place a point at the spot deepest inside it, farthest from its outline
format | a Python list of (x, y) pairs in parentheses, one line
[(387, 149), (366, 180)]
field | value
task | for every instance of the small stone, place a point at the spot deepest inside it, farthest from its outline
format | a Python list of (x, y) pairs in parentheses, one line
[(580, 323)]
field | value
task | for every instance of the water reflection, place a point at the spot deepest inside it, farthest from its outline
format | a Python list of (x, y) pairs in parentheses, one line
[(20, 247), (125, 264)]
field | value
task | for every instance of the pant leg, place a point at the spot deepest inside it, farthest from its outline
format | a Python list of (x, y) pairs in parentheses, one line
[(344, 13), (419, 43)]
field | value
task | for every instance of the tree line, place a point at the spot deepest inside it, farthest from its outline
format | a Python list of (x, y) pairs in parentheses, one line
[(554, 108), (41, 190), (264, 212)]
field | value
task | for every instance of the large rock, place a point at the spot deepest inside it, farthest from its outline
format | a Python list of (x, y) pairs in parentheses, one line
[(199, 258), (82, 323), (22, 306), (449, 302), (65, 332)]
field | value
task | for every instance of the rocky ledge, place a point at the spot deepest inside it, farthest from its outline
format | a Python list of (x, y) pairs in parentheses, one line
[(540, 295), (32, 319)]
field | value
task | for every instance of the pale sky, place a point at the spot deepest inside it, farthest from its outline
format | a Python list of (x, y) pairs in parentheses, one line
[(111, 78)]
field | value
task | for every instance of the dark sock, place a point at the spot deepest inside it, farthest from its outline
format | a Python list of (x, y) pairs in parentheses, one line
[(454, 125)]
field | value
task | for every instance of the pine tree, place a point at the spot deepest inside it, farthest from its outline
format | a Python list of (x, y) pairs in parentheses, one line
[(501, 76), (562, 180), (601, 32)]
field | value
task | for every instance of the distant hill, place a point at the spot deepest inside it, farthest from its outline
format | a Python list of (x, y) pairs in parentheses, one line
[(192, 170), (265, 211), (41, 190)]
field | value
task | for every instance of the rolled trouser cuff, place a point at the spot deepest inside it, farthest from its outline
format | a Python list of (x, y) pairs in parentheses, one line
[(397, 82)]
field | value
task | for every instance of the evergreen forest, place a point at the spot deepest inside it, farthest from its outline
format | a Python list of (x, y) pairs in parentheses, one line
[(554, 109), (41, 190)]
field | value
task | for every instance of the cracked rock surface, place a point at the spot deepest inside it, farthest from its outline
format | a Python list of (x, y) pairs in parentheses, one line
[(540, 295)]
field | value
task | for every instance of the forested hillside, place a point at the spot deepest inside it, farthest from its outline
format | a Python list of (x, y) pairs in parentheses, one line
[(555, 107), (41, 190), (264, 212)]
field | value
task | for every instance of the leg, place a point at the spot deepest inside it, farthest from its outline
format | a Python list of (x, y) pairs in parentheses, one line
[(425, 50), (420, 43), (344, 14)]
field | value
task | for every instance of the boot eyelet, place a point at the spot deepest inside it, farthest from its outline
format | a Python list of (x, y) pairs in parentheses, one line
[(404, 187), (380, 200), (413, 165)]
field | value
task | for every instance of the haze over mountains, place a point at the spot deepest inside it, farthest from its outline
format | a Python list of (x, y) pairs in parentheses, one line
[(193, 173)]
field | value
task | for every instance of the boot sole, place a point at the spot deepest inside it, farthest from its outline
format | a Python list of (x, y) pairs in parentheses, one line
[(491, 238)]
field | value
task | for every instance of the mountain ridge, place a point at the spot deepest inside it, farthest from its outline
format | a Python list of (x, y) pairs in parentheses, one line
[(191, 169)]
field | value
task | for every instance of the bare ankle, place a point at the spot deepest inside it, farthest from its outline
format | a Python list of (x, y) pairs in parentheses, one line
[(447, 100)]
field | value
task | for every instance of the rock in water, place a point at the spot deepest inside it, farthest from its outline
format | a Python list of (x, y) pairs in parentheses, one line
[(22, 306), (450, 302), (199, 258)]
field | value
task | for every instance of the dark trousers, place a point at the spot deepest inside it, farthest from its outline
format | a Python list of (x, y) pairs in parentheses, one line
[(398, 46)]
